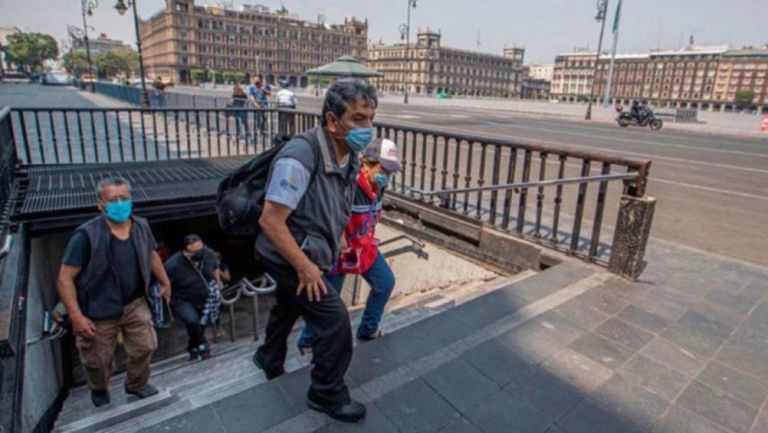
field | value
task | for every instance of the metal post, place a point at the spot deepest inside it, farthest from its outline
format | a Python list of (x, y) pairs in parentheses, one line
[(411, 3), (87, 7), (601, 12), (144, 95), (609, 85)]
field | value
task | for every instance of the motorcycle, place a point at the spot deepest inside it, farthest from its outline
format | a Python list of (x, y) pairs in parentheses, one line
[(649, 119)]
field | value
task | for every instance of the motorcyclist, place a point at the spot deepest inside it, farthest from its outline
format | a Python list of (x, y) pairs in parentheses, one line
[(635, 110)]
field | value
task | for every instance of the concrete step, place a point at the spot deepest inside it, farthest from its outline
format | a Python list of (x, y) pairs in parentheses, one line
[(187, 386)]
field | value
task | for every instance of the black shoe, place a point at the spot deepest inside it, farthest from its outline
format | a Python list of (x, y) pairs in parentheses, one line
[(352, 411), (100, 398), (144, 392), (259, 363)]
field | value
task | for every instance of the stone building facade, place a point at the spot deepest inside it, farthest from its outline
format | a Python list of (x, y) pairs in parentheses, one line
[(427, 67), (279, 45), (706, 78)]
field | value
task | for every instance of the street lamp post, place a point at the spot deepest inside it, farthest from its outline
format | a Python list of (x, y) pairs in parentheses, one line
[(602, 10), (87, 8), (122, 7), (407, 30)]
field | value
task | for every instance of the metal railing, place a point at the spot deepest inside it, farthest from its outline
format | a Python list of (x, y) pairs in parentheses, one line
[(504, 184), (7, 165), (108, 135)]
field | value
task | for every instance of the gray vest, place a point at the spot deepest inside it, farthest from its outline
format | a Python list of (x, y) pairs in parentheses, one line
[(323, 212), (98, 290)]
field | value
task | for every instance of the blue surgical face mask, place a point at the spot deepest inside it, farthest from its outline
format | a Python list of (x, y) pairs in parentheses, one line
[(119, 211), (381, 179), (359, 138)]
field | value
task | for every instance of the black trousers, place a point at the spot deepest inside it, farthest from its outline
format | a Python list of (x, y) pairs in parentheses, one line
[(328, 317), (189, 312)]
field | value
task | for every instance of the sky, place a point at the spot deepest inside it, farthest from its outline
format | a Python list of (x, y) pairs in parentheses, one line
[(544, 27)]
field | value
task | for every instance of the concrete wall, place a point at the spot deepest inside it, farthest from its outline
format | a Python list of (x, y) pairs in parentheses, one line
[(413, 274), (43, 374)]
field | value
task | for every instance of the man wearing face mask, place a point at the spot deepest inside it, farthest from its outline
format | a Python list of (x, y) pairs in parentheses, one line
[(308, 203), (361, 254), (191, 271), (103, 281)]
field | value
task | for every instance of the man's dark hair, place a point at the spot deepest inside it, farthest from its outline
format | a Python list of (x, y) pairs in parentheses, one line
[(338, 97), (191, 239)]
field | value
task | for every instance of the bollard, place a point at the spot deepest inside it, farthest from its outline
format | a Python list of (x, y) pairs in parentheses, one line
[(633, 228)]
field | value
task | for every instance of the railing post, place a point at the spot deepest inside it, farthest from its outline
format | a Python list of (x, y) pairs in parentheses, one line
[(633, 228)]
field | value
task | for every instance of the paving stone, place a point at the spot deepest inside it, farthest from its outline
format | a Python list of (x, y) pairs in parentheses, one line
[(504, 413), (637, 404), (497, 361), (545, 392), (460, 384), (682, 360), (415, 407), (717, 313), (624, 334), (591, 417), (734, 301), (738, 384), (718, 407), (489, 308), (579, 371), (693, 340), (256, 409), (676, 297), (461, 425), (559, 327), (655, 377), (643, 319), (532, 342), (202, 420), (599, 349), (374, 421), (371, 360), (745, 357), (681, 420), (582, 314), (605, 298), (761, 423), (661, 307)]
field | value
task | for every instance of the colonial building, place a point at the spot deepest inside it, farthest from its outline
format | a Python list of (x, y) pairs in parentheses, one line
[(707, 78), (541, 72), (428, 68), (101, 45), (279, 45)]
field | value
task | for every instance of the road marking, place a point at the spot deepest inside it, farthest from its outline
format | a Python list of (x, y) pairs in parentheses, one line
[(710, 189)]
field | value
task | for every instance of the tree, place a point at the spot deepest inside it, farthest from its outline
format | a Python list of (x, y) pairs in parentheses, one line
[(118, 62), (76, 63), (198, 75), (217, 76), (29, 51), (239, 77), (744, 97)]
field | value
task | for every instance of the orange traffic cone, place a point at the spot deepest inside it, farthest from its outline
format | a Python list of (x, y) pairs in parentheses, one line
[(765, 123)]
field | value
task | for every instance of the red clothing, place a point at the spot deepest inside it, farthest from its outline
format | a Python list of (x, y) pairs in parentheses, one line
[(361, 230)]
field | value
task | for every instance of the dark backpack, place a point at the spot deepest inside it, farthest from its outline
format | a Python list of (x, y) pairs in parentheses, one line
[(240, 196)]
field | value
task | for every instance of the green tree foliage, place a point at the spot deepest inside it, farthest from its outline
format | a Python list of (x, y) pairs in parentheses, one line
[(239, 77), (76, 63), (229, 77), (198, 75), (28, 51), (118, 62), (744, 97)]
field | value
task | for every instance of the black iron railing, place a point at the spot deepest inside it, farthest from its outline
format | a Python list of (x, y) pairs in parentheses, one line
[(568, 216), (7, 164), (105, 135)]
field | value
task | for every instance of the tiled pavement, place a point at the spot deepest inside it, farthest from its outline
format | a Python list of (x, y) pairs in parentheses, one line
[(569, 350)]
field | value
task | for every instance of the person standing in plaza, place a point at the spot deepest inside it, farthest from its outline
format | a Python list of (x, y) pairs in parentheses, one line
[(307, 205), (103, 282)]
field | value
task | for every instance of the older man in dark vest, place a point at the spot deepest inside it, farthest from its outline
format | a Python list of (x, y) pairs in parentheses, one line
[(103, 282)]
